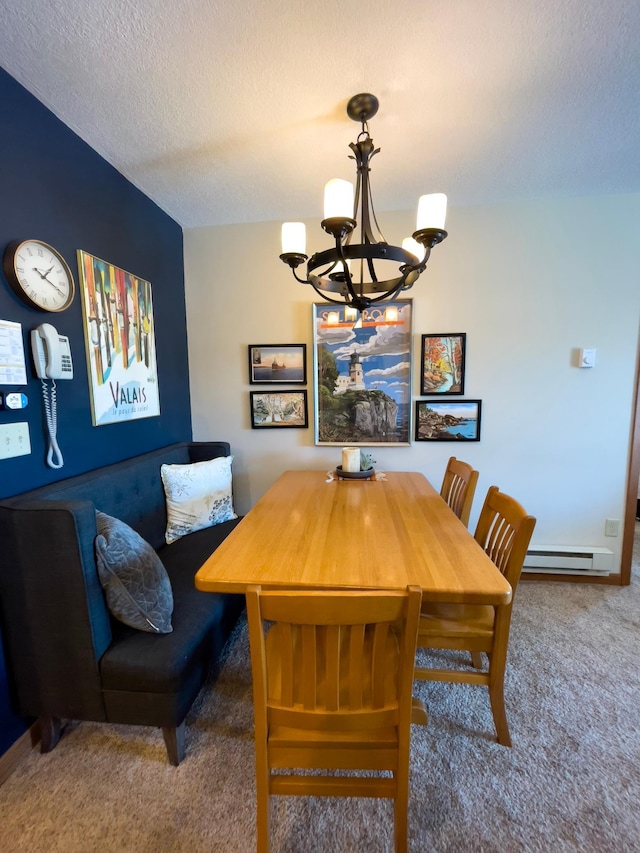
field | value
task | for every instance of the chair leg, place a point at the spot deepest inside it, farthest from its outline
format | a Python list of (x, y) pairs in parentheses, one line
[(174, 739), (496, 697), (50, 730), (262, 790), (401, 815), (419, 713), (476, 657)]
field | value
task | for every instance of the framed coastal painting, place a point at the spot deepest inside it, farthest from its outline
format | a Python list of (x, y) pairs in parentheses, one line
[(362, 374), (453, 420), (278, 409), (442, 363), (120, 342), (277, 364)]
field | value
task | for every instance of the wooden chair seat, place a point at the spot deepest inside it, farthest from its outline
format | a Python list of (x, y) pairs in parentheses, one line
[(455, 620), (332, 681)]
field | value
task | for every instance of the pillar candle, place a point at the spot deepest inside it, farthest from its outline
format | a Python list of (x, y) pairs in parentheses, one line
[(350, 459)]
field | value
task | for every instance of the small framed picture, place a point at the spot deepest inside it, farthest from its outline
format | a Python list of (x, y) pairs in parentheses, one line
[(278, 409), (454, 420), (277, 364), (442, 364)]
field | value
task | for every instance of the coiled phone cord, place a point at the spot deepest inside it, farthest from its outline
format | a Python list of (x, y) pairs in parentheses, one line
[(54, 455)]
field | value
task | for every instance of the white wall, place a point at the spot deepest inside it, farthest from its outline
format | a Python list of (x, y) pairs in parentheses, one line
[(529, 283)]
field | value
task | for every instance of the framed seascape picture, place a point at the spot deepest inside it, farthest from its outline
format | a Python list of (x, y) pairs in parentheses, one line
[(454, 420), (278, 409), (277, 364), (442, 364), (362, 374), (120, 343)]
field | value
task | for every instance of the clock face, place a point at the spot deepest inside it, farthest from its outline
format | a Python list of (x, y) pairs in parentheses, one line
[(39, 275)]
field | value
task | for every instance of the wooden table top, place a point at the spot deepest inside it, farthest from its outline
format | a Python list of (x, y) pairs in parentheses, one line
[(380, 534)]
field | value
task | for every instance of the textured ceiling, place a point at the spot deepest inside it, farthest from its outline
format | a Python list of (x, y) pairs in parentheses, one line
[(229, 111)]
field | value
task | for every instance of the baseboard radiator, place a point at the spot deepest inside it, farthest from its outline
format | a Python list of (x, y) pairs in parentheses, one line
[(568, 560)]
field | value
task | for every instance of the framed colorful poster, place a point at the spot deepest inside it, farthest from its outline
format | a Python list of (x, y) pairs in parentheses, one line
[(362, 374), (277, 364), (453, 420), (117, 311), (442, 364), (278, 409)]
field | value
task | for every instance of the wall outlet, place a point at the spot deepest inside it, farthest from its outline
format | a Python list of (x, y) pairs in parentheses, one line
[(612, 527), (14, 440)]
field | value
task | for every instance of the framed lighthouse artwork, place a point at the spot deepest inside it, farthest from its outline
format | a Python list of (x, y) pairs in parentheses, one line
[(362, 373), (120, 342)]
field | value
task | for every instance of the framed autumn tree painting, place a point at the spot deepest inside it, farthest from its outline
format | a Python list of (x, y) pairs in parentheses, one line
[(442, 364)]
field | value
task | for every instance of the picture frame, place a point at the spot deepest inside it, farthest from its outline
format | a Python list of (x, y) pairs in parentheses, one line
[(277, 364), (279, 409), (362, 374), (442, 363), (120, 344), (451, 420)]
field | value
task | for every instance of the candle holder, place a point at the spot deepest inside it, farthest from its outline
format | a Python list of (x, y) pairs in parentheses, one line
[(369, 474)]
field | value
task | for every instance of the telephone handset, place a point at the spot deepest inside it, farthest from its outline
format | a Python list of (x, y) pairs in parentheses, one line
[(51, 353), (52, 360)]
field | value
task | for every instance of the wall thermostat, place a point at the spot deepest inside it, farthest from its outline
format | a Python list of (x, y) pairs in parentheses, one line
[(587, 357)]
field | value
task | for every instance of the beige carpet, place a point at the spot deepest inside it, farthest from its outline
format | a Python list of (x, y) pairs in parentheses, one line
[(570, 782)]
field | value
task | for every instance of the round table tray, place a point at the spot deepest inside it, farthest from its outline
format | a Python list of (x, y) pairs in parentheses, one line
[(355, 475)]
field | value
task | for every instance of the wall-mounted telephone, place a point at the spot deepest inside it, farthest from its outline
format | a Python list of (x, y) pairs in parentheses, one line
[(51, 353), (52, 360)]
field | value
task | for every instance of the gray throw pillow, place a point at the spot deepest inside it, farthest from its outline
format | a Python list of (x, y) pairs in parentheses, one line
[(136, 584)]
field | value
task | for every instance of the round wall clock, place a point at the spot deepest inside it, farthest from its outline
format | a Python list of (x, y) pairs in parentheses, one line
[(39, 275)]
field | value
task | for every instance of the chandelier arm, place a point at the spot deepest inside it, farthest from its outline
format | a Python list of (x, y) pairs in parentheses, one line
[(324, 296), (421, 266), (347, 274), (390, 294), (297, 277), (375, 218), (372, 270)]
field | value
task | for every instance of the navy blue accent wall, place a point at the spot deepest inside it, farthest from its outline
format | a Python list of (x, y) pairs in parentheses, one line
[(54, 187)]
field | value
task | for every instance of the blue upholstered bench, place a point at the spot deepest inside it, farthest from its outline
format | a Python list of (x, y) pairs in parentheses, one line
[(68, 657)]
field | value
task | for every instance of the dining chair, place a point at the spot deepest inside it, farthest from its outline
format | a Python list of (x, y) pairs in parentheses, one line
[(504, 531), (332, 689), (459, 487)]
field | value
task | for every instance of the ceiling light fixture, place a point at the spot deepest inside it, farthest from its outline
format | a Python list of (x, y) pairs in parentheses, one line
[(329, 272)]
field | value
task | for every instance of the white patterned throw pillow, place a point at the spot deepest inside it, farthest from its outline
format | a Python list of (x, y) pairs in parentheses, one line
[(197, 495)]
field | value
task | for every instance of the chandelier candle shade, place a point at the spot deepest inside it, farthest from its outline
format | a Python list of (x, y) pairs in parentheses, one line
[(330, 272)]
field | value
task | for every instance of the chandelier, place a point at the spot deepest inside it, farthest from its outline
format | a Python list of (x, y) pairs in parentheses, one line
[(382, 271)]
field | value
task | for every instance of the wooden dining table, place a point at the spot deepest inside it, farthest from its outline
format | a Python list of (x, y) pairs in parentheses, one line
[(311, 532)]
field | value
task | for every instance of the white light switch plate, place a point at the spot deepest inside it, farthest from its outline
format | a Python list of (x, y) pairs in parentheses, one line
[(14, 440)]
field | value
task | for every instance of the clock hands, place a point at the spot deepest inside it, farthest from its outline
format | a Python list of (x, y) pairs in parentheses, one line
[(44, 277)]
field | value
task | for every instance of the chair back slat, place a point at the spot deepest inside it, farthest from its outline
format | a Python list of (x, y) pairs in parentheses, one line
[(458, 488), (356, 673), (287, 664), (308, 671), (333, 667), (380, 659), (504, 531)]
